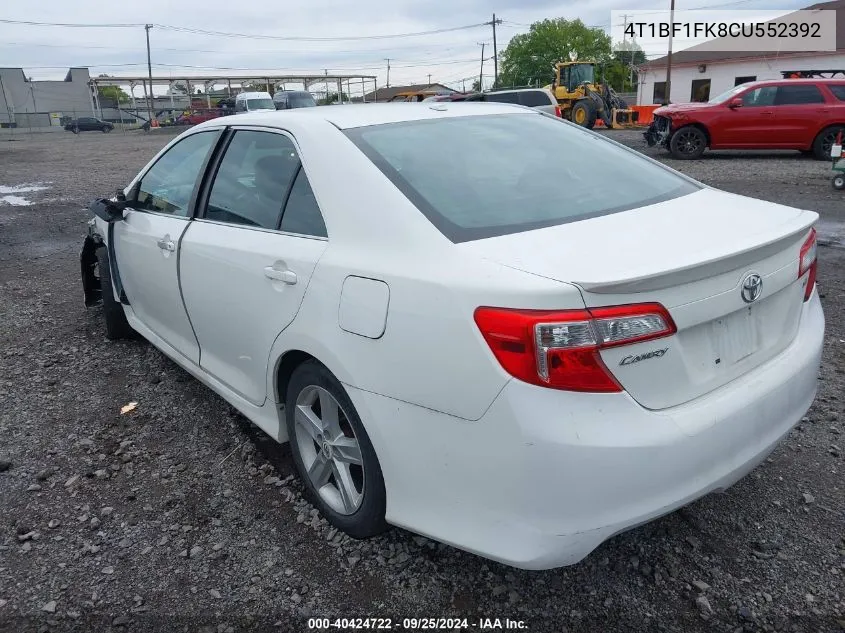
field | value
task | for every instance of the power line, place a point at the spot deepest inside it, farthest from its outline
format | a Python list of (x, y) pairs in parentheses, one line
[(184, 29)]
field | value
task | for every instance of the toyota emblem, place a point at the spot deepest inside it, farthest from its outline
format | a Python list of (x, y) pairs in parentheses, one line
[(751, 287)]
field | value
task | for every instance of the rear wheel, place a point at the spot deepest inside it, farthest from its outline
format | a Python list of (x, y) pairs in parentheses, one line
[(584, 113), (75, 129), (839, 182), (117, 326), (333, 453), (688, 143), (825, 140)]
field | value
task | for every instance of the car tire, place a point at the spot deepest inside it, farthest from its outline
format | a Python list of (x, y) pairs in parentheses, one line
[(839, 182), (825, 139), (106, 129), (75, 129), (350, 496), (584, 113), (688, 143), (117, 327)]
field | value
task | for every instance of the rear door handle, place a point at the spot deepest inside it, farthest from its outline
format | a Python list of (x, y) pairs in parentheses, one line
[(285, 276), (166, 244), (767, 113)]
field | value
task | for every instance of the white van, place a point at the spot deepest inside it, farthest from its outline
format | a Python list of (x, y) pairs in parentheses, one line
[(254, 102)]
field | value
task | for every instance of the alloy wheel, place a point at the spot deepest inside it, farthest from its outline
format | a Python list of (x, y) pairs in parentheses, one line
[(689, 142), (329, 450), (829, 140)]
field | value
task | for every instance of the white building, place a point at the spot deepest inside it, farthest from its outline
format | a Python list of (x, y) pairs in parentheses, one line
[(699, 75)]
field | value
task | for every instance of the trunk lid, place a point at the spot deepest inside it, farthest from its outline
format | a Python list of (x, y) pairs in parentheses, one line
[(691, 254)]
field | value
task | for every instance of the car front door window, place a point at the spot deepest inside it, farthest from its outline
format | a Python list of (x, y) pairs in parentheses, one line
[(764, 96), (169, 184)]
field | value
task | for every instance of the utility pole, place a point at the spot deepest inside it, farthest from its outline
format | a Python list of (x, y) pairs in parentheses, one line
[(481, 72), (429, 79), (633, 44), (388, 71), (666, 99), (495, 51), (147, 28)]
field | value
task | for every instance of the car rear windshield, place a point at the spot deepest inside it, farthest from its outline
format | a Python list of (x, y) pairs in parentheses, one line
[(502, 174), (260, 104), (301, 100)]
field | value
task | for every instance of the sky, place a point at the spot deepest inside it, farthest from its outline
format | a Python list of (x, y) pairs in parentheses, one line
[(354, 35)]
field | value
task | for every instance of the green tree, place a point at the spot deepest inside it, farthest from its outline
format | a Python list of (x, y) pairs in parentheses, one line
[(115, 94), (476, 86), (530, 57), (331, 98)]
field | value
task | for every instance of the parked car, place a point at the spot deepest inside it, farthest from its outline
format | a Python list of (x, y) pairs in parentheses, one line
[(447, 344), (290, 99), (538, 98), (88, 124), (414, 96), (254, 102), (799, 114), (195, 117)]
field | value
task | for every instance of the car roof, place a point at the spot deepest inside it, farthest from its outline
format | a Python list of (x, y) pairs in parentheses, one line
[(802, 80), (361, 115)]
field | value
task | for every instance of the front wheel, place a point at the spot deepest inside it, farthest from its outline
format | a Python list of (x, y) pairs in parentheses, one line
[(117, 326), (333, 453), (75, 130), (106, 129), (688, 143), (839, 182)]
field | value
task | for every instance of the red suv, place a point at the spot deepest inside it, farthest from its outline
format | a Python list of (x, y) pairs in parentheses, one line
[(802, 114)]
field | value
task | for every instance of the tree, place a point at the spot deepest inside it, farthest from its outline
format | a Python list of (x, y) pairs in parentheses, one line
[(114, 94), (476, 85), (530, 57)]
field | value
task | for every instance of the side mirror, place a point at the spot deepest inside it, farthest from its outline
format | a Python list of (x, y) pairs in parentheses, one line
[(736, 102), (108, 210)]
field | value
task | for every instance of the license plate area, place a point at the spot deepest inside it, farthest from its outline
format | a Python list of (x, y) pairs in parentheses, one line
[(736, 337)]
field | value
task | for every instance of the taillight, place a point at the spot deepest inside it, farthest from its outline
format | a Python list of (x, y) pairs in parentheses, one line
[(807, 263), (560, 349), (557, 111)]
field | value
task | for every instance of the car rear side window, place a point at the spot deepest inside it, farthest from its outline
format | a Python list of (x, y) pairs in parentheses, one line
[(798, 94), (168, 185), (502, 97), (515, 172), (838, 91), (253, 179), (534, 98), (302, 215)]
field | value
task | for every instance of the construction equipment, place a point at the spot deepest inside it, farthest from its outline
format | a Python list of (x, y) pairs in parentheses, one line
[(583, 101), (811, 74)]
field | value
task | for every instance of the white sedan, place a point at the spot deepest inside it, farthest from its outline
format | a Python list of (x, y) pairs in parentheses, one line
[(475, 321)]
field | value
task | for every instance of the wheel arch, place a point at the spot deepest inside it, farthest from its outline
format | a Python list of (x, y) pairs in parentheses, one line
[(822, 129), (284, 360), (700, 126)]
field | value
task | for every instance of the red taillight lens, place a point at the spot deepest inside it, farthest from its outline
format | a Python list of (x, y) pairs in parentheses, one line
[(557, 111), (560, 349), (807, 263)]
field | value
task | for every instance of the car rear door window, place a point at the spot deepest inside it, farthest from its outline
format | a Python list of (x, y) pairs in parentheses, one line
[(798, 94), (302, 214), (253, 179), (168, 185), (534, 98), (502, 97)]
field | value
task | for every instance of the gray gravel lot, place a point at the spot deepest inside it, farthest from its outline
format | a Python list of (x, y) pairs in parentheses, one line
[(180, 516)]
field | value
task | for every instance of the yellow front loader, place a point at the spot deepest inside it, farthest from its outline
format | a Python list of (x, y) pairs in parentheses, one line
[(583, 101)]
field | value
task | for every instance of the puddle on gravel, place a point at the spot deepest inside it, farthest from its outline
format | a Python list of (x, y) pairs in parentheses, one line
[(10, 194)]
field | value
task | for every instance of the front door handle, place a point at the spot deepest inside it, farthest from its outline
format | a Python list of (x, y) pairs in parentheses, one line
[(285, 276), (768, 113), (166, 244)]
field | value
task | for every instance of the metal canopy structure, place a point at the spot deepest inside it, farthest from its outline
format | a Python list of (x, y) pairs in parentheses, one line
[(231, 84)]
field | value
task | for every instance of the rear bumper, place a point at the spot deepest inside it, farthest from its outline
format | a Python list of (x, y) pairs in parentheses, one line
[(545, 476)]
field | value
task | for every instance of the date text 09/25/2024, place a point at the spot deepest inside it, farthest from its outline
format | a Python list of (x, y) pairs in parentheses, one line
[(416, 624)]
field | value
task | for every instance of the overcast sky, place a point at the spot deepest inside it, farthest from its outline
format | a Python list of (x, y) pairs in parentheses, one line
[(46, 52)]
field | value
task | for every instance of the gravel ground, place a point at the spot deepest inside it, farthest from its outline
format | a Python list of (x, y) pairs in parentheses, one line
[(181, 516)]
